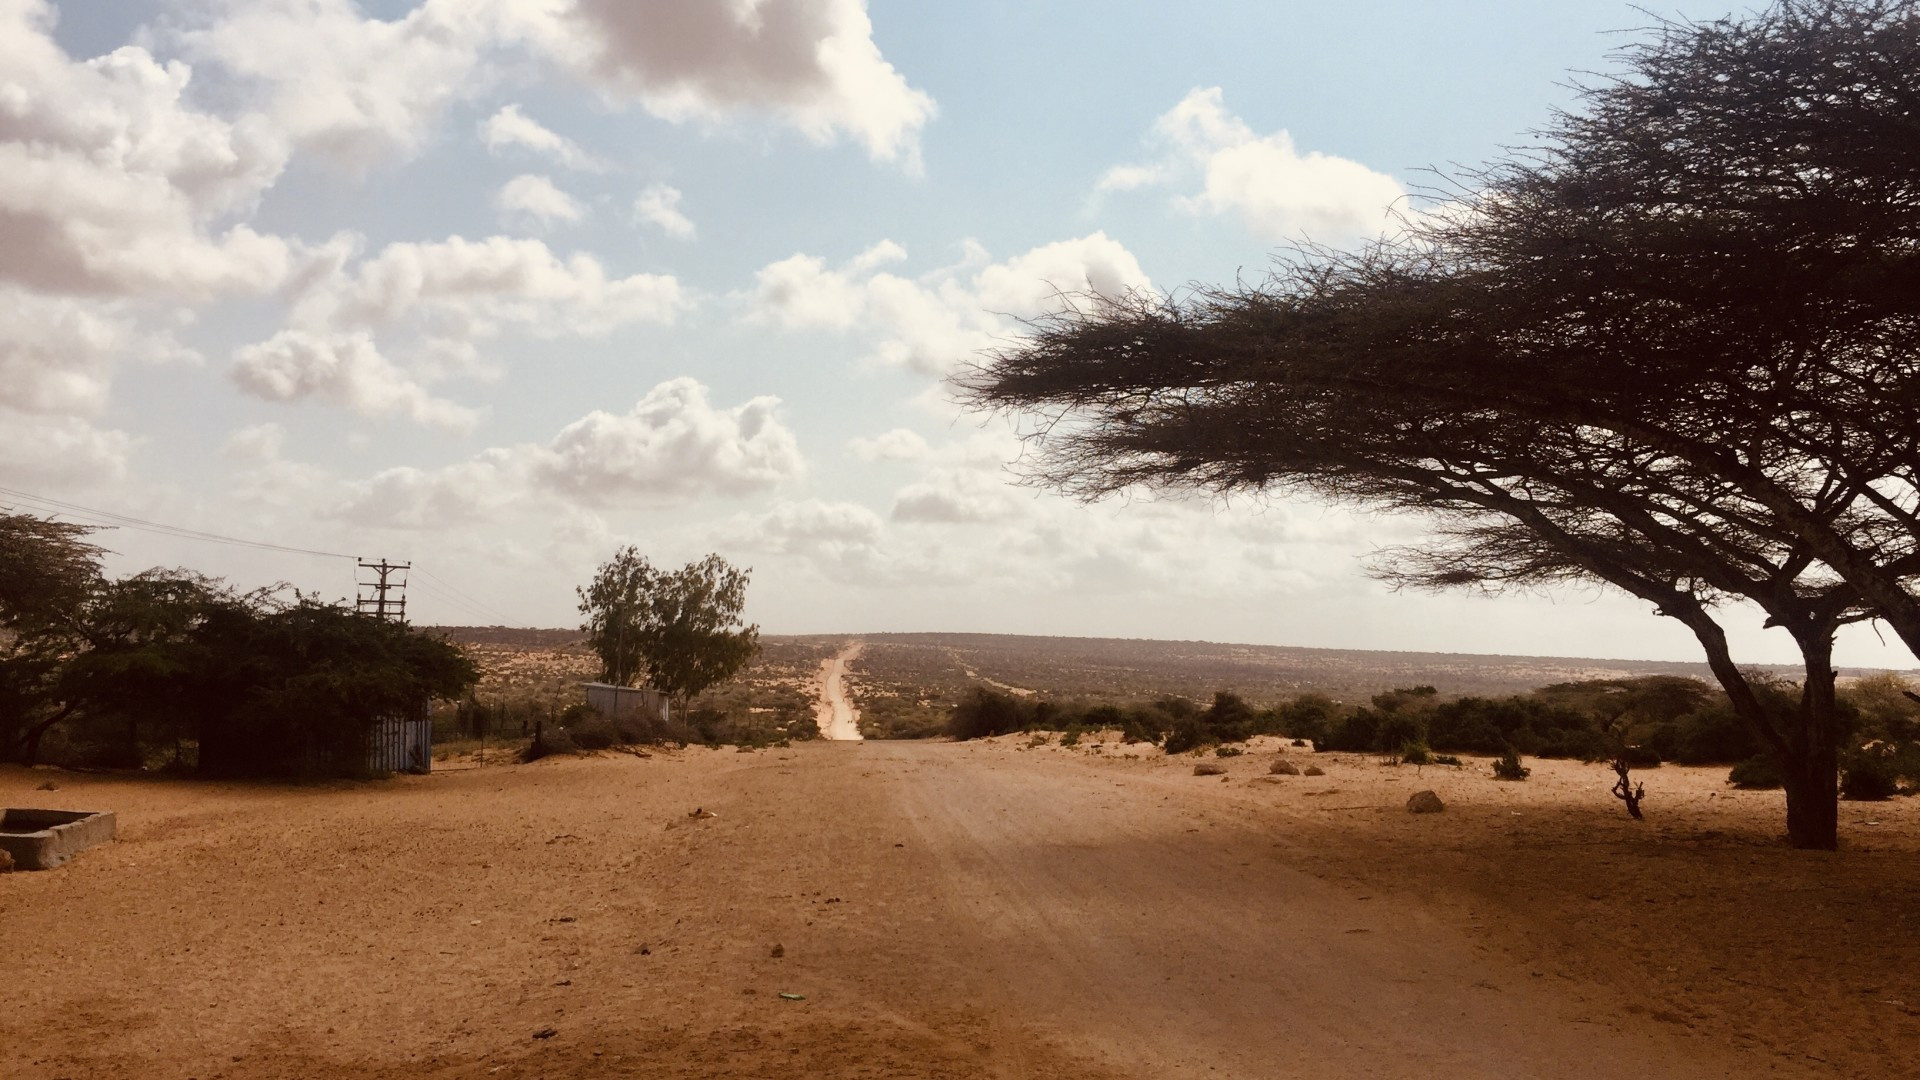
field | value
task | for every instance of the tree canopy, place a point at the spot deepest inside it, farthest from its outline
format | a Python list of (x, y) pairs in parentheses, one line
[(257, 683), (1670, 349), (681, 630)]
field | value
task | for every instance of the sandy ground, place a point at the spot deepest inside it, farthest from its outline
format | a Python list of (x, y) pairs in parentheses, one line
[(942, 910), (838, 719)]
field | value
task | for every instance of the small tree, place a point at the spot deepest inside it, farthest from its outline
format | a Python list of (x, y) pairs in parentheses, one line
[(679, 629), (48, 571)]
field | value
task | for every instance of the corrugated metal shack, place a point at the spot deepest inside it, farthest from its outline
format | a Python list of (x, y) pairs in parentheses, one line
[(614, 702), (400, 744)]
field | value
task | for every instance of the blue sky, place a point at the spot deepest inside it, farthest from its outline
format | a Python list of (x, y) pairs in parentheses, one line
[(499, 285)]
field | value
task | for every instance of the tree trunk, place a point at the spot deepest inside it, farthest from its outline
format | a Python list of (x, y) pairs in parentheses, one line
[(1812, 763), (1813, 800)]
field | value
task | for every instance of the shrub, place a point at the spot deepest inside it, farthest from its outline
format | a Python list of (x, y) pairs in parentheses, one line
[(1357, 732), (1415, 752), (1229, 718), (1868, 775), (593, 733), (548, 742), (1072, 736), (1187, 733), (984, 713), (1397, 731), (1143, 726), (1308, 716), (1509, 767), (1227, 751), (1758, 773), (1447, 759)]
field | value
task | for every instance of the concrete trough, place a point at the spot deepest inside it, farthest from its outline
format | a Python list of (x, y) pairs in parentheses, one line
[(43, 839)]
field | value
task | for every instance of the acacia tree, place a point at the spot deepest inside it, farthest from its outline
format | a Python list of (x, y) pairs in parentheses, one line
[(1598, 365), (680, 629), (47, 572)]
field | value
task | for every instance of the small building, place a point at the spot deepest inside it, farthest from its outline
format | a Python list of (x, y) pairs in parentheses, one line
[(615, 702), (401, 744)]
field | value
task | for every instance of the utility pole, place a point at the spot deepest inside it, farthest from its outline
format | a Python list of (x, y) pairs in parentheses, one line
[(388, 596)]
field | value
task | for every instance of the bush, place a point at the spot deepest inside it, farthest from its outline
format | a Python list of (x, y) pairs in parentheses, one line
[(1867, 775), (1071, 737), (1415, 752), (1187, 733), (1229, 718), (1355, 733), (985, 713), (1227, 751), (593, 733), (1447, 759), (548, 742), (1758, 773), (1509, 767), (1397, 731), (1308, 716)]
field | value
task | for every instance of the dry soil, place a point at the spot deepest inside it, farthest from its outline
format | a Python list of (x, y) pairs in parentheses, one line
[(957, 910)]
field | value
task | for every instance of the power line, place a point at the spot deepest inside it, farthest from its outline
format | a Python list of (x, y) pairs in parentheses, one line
[(470, 603), (446, 592), (108, 517)]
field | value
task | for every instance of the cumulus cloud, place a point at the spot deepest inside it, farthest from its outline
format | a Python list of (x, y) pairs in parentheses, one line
[(811, 62), (54, 352), (673, 445), (60, 450), (357, 87), (900, 444), (354, 88), (659, 206), (480, 284), (510, 128), (1277, 191), (345, 370), (256, 443), (110, 183), (953, 498), (536, 199), (932, 323)]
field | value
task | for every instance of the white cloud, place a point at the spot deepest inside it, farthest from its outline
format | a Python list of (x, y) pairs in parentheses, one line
[(54, 352), (811, 62), (933, 323), (674, 445), (952, 497), (673, 442), (63, 450), (536, 199), (899, 444), (358, 88), (353, 88), (458, 291), (511, 128), (659, 206), (344, 370), (256, 443), (1278, 192), (111, 184)]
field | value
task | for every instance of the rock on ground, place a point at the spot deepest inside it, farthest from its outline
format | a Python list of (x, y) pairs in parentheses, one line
[(1425, 802)]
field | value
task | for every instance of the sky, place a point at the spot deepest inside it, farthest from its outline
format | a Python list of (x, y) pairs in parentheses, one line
[(500, 286)]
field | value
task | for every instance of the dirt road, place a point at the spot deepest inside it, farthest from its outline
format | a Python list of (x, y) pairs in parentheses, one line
[(937, 910), (839, 721)]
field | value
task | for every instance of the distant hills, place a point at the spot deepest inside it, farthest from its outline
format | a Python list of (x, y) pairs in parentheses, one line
[(1131, 668)]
